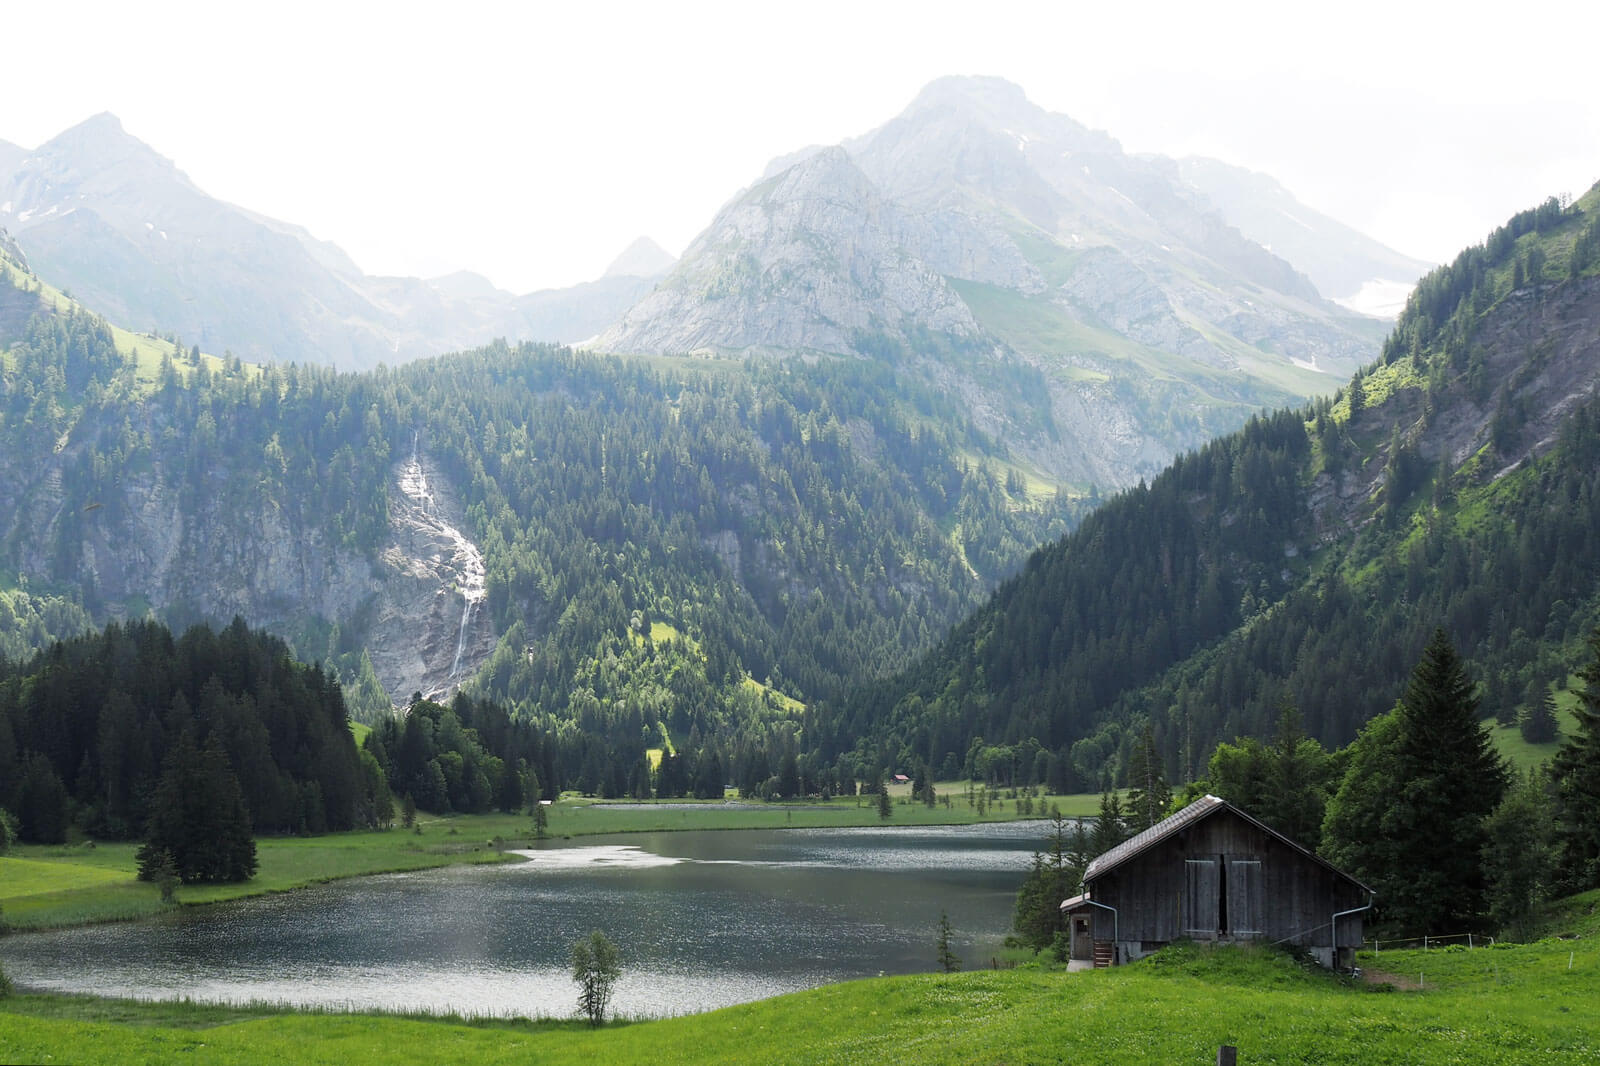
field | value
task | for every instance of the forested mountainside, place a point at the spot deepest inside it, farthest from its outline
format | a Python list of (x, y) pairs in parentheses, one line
[(1308, 558), (594, 539)]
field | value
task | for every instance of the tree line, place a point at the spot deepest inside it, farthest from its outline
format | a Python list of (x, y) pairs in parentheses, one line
[(1236, 582), (1420, 806)]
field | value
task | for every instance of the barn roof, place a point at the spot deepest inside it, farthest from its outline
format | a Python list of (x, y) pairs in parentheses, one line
[(1194, 813)]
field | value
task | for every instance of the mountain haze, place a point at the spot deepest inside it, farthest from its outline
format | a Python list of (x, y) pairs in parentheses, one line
[(103, 215), (1345, 265), (644, 258), (1089, 307)]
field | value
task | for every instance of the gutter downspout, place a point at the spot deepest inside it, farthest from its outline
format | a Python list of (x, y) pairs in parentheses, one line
[(1114, 929), (1333, 928)]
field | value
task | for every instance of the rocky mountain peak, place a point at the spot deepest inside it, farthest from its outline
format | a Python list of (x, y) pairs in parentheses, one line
[(813, 258), (644, 258), (99, 144), (980, 93)]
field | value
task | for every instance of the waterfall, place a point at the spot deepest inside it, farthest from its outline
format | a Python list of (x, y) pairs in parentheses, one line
[(467, 608), (464, 567)]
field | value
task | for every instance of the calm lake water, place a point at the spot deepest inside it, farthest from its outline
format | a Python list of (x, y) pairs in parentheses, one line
[(703, 920)]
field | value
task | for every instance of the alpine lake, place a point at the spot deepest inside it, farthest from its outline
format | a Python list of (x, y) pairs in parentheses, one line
[(703, 919)]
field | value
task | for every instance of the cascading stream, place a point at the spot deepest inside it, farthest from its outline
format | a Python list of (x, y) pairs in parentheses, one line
[(465, 562)]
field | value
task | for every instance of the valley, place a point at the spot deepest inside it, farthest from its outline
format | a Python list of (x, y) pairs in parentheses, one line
[(365, 639)]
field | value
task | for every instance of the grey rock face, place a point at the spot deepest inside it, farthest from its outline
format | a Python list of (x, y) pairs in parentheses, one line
[(975, 231), (223, 556), (811, 259)]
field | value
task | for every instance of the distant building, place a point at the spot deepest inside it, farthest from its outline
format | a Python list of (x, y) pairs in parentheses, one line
[(1213, 873)]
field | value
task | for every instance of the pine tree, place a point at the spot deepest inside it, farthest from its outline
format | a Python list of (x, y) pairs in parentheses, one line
[(1452, 780), (1110, 828), (949, 961), (1149, 796), (1298, 776), (198, 819), (1409, 817), (1537, 722), (1054, 875), (1576, 770)]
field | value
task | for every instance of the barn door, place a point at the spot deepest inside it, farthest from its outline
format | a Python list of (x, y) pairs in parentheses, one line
[(1244, 897), (1202, 904)]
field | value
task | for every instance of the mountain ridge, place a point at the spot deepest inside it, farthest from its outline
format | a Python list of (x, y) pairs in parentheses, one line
[(947, 240), (125, 229), (1307, 558)]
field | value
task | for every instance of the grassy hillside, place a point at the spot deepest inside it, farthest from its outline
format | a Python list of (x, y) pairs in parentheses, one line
[(1506, 1004)]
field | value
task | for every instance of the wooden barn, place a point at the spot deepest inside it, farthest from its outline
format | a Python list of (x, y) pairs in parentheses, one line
[(1211, 872)]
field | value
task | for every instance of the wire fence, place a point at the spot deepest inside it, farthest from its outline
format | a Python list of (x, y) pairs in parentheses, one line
[(1428, 941)]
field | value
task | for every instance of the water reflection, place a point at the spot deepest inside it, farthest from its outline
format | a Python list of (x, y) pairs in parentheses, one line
[(704, 919)]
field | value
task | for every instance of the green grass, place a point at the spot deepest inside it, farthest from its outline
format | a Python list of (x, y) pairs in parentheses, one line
[(787, 704), (54, 886), (1512, 1004), (145, 350), (1524, 756)]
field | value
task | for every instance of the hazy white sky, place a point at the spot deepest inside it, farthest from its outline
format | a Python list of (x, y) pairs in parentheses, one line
[(531, 142)]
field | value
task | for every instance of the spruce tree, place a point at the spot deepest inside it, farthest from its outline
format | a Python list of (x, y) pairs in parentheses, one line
[(198, 819), (1149, 795), (1537, 722), (949, 961), (1110, 829), (1577, 780), (1409, 817), (1451, 780)]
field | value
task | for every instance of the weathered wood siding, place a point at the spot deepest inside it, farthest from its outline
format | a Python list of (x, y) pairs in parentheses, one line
[(1225, 879)]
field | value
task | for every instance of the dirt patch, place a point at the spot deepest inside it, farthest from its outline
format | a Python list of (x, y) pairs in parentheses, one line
[(1384, 977)]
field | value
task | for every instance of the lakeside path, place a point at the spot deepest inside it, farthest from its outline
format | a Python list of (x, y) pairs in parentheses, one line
[(45, 886)]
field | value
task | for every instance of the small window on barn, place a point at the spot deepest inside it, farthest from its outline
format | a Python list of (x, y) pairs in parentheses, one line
[(1201, 898), (1244, 897)]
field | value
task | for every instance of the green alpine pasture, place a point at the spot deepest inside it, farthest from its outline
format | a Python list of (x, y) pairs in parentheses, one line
[(1490, 1005)]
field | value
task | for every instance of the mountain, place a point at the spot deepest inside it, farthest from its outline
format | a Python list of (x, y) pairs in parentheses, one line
[(1307, 558), (604, 544), (813, 259), (1346, 266), (644, 258), (1089, 307), (104, 216), (10, 156)]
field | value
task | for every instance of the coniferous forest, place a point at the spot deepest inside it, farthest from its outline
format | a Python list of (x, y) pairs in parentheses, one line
[(739, 564), (1306, 559)]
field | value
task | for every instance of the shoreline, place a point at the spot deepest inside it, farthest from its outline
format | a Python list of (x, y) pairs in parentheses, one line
[(95, 882)]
